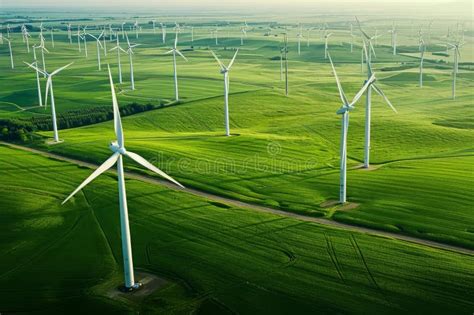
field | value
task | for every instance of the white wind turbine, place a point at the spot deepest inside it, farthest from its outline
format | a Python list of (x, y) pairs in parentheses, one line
[(11, 52), (299, 36), (38, 85), (119, 151), (422, 48), (285, 54), (98, 46), (225, 71), (457, 54), (368, 103), (24, 31), (8, 31), (326, 39), (243, 33), (69, 33), (84, 37), (104, 43), (52, 36), (192, 34), (43, 50), (136, 27), (130, 53), (123, 32), (344, 112), (352, 38), (393, 31), (163, 32), (49, 88), (79, 37), (119, 49), (175, 51), (154, 28)]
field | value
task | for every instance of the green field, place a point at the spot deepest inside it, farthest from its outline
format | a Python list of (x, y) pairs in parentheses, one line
[(216, 258), (284, 154)]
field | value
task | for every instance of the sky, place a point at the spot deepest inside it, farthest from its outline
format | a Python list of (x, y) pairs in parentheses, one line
[(408, 6)]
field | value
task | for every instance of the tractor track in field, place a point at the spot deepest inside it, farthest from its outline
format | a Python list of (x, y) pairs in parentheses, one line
[(245, 205)]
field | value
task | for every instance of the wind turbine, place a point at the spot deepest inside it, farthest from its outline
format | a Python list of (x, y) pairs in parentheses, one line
[(25, 34), (136, 27), (393, 31), (243, 33), (457, 54), (368, 103), (130, 53), (225, 71), (118, 149), (69, 33), (52, 36), (98, 46), (79, 37), (163, 32), (192, 34), (154, 29), (326, 39), (119, 49), (215, 32), (422, 48), (43, 50), (84, 37), (38, 85), (344, 112), (175, 51), (352, 38), (49, 88), (123, 32), (285, 54), (11, 52), (105, 42), (299, 36), (8, 31)]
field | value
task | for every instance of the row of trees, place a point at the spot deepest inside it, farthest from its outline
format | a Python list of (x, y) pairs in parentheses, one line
[(22, 129)]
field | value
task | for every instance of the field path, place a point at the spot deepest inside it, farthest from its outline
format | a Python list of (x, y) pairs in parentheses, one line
[(245, 205)]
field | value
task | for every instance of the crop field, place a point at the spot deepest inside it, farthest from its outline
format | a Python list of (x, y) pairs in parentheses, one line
[(283, 154)]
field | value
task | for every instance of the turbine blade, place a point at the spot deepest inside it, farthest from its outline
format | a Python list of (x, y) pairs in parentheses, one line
[(362, 90), (35, 68), (179, 53), (104, 167), (60, 69), (381, 93), (233, 59), (48, 85), (117, 120), (339, 87), (217, 59), (137, 158)]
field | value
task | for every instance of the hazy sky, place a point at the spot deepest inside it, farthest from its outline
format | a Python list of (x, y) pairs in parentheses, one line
[(408, 6)]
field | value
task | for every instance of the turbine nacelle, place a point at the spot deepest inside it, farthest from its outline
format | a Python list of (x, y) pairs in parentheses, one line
[(115, 147), (344, 109)]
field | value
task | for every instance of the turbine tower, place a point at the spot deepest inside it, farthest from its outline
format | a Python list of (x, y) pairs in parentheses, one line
[(457, 54), (119, 151), (344, 112), (130, 53), (225, 71), (368, 103), (175, 51), (49, 88), (119, 49)]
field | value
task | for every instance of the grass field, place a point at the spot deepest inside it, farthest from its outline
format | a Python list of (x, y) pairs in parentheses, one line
[(284, 153), (217, 259)]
